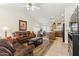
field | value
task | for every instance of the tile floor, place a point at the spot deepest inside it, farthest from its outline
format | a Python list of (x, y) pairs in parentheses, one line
[(58, 48)]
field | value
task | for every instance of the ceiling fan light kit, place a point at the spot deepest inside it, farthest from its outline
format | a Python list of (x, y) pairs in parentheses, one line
[(31, 7)]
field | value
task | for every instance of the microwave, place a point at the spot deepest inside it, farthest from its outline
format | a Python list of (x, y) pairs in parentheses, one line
[(74, 27)]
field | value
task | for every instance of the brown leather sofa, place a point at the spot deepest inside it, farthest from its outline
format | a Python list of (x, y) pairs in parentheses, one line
[(21, 46), (24, 36)]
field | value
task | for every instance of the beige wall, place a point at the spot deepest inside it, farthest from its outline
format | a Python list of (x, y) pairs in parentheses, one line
[(10, 16)]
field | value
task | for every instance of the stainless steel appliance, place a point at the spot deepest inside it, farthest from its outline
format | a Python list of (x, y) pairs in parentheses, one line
[(74, 27)]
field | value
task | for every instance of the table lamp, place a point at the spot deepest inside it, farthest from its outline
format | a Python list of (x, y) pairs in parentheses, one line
[(5, 30)]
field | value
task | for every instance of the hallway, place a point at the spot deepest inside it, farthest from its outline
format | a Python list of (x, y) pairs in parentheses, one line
[(58, 48)]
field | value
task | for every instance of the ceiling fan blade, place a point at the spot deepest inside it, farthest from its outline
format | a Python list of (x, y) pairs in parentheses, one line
[(25, 6), (22, 6), (35, 7), (30, 6), (32, 3)]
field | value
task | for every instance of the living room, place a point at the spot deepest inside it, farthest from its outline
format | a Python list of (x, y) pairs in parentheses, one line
[(36, 29)]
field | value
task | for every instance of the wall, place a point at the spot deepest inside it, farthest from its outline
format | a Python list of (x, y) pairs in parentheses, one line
[(10, 16), (68, 12)]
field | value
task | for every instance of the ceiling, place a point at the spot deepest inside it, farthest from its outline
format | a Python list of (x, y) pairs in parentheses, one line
[(46, 10)]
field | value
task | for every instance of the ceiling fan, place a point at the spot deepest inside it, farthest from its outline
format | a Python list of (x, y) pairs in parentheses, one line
[(31, 6)]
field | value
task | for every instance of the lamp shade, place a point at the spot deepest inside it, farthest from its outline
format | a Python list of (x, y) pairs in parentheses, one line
[(5, 28)]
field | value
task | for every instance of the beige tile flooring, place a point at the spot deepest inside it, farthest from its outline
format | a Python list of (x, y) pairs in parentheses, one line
[(58, 48)]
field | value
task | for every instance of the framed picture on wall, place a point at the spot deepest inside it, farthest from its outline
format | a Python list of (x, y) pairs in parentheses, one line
[(22, 25)]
